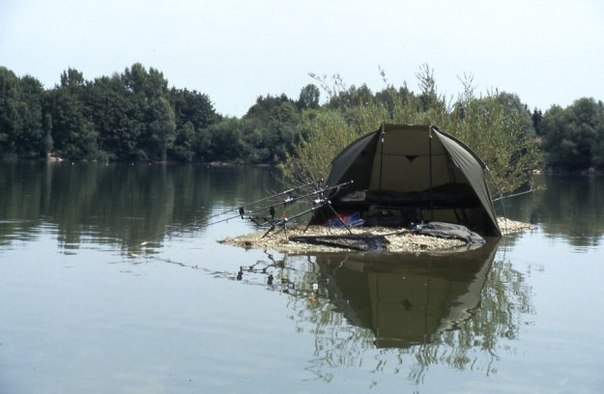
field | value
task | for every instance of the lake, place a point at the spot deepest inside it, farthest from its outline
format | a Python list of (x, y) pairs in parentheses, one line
[(112, 281)]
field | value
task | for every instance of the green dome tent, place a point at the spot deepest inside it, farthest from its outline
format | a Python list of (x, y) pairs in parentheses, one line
[(405, 174)]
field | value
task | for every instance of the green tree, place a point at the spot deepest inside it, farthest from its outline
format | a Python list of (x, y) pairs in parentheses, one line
[(269, 130), (574, 136), (502, 135), (73, 132), (194, 107), (310, 95), (151, 118), (498, 127), (254, 147), (226, 144), (394, 99), (264, 106), (537, 117), (21, 131), (352, 98), (72, 79), (326, 133), (48, 141), (183, 148), (74, 136), (127, 116), (282, 132), (145, 83), (428, 97), (201, 143), (112, 111), (11, 125), (161, 129), (33, 142), (193, 112)]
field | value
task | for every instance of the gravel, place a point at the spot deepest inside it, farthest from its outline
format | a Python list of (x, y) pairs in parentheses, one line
[(399, 240)]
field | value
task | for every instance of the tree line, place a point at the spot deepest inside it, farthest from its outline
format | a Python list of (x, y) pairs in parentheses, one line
[(134, 115)]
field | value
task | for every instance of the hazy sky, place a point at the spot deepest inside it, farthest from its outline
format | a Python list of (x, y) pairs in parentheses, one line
[(547, 52)]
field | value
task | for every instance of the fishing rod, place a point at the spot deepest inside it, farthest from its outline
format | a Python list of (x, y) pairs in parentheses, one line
[(271, 207), (242, 210), (321, 203), (513, 195), (325, 189), (283, 221), (242, 207), (285, 202)]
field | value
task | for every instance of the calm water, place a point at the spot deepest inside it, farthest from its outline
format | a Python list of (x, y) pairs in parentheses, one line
[(85, 306)]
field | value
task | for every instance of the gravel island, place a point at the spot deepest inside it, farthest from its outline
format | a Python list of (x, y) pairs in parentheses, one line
[(397, 240)]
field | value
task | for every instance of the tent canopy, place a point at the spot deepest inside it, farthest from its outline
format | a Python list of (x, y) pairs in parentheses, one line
[(410, 173)]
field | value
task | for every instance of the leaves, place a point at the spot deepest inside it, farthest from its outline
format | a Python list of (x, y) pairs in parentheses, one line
[(574, 136), (498, 127), (133, 115)]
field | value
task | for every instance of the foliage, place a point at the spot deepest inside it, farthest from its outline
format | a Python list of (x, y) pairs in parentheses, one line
[(498, 127), (74, 135), (574, 136), (194, 113), (225, 141), (21, 123), (127, 116), (340, 308), (271, 129), (326, 133), (133, 115), (310, 97)]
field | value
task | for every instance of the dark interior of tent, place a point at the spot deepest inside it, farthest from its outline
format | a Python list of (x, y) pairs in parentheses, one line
[(451, 203)]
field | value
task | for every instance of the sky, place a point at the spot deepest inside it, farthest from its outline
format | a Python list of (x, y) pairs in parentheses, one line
[(547, 52)]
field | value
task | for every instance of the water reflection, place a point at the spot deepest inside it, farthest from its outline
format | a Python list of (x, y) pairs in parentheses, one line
[(125, 204), (564, 206), (406, 300), (117, 204), (451, 309), (371, 311)]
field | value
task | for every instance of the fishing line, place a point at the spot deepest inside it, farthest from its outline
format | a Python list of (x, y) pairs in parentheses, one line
[(214, 273), (504, 212), (321, 203), (493, 180), (514, 195), (168, 233), (240, 209), (288, 200), (262, 200)]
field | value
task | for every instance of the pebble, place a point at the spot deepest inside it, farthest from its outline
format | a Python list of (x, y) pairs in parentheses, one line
[(400, 240)]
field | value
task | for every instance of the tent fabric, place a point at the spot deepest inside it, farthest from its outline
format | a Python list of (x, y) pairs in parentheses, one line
[(414, 173)]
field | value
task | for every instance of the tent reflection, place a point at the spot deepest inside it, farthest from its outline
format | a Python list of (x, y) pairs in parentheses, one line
[(406, 299)]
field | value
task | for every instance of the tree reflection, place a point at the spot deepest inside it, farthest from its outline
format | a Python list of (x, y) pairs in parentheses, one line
[(419, 310), (121, 204), (567, 206)]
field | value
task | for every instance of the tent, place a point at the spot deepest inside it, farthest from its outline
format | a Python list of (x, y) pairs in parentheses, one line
[(404, 174)]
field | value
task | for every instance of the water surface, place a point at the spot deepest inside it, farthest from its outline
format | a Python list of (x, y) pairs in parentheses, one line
[(111, 281)]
